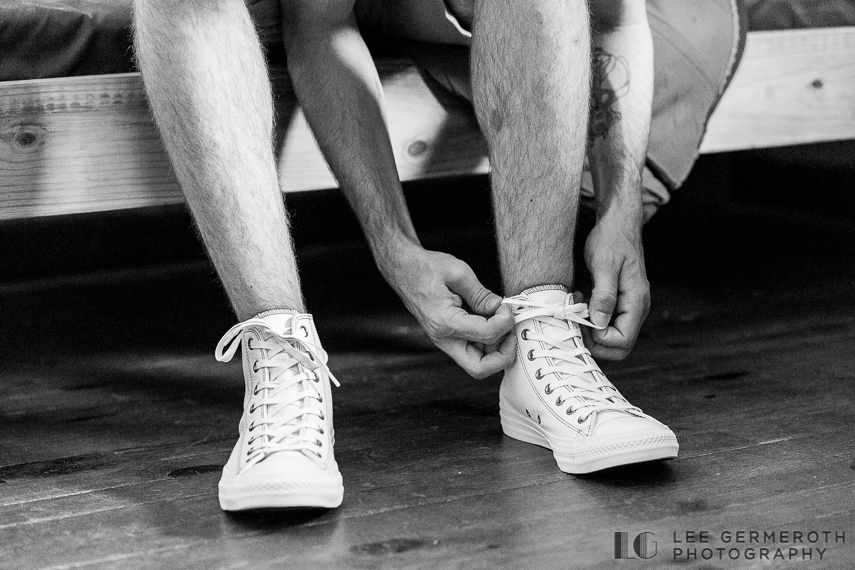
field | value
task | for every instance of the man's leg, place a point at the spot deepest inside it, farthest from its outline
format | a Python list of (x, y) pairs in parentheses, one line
[(209, 90), (530, 80)]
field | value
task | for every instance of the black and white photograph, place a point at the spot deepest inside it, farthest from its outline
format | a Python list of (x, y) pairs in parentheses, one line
[(427, 284)]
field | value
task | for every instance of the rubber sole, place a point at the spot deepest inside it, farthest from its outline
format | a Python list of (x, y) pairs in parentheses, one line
[(588, 455), (284, 494)]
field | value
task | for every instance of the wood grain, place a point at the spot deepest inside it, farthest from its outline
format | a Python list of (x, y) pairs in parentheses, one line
[(88, 144), (792, 87), (116, 418)]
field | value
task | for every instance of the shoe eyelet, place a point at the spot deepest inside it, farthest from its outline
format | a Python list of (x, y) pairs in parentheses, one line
[(320, 398), (538, 375), (528, 413), (249, 344), (524, 334), (316, 380), (312, 358), (547, 390), (252, 409), (321, 431), (318, 443), (580, 421), (531, 355), (322, 415), (559, 401), (305, 331), (255, 367)]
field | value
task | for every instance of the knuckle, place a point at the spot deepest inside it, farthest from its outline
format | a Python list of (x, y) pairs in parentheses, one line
[(606, 297), (475, 372), (493, 338), (484, 337), (481, 297), (436, 329), (456, 270), (644, 294)]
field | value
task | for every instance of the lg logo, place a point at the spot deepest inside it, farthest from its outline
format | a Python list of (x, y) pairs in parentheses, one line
[(642, 546)]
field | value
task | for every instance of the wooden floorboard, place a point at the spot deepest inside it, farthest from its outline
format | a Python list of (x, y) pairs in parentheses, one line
[(116, 419)]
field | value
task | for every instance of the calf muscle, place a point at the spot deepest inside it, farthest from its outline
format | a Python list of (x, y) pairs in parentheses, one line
[(530, 77), (210, 94)]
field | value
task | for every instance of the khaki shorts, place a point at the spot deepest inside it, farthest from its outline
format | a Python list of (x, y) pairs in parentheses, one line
[(697, 46)]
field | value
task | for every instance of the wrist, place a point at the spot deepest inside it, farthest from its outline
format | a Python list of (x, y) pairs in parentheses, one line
[(392, 250), (625, 213)]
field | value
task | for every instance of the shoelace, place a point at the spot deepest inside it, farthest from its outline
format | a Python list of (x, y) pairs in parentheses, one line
[(572, 366), (307, 364)]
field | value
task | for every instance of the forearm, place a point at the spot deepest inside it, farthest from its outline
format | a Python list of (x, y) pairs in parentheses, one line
[(621, 106), (339, 91)]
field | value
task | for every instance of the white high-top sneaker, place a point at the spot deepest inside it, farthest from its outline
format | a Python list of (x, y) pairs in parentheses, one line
[(555, 396), (284, 455)]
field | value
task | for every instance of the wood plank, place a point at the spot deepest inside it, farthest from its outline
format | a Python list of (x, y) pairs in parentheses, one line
[(458, 523), (88, 144), (792, 87), (751, 367)]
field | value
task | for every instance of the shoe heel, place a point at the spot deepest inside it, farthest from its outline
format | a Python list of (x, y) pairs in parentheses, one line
[(519, 426)]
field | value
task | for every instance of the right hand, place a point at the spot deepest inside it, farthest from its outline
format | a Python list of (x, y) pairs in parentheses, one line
[(434, 286)]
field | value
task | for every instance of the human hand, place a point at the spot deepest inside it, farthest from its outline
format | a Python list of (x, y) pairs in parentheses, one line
[(620, 299), (434, 286)]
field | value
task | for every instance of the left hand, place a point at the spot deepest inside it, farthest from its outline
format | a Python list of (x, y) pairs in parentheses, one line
[(620, 299)]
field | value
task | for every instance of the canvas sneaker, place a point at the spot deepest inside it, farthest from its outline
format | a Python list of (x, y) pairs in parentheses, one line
[(555, 395), (284, 454)]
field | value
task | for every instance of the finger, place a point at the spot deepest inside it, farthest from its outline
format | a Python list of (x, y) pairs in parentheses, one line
[(506, 344), (587, 336), (476, 328), (603, 298), (632, 311), (476, 362), (600, 352), (481, 300)]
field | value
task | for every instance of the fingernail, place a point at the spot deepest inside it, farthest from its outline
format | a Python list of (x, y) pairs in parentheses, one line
[(601, 319)]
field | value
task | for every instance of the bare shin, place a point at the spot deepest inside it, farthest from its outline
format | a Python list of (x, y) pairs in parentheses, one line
[(530, 79), (209, 90)]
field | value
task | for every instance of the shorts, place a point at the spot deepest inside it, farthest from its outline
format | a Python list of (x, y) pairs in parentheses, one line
[(697, 46)]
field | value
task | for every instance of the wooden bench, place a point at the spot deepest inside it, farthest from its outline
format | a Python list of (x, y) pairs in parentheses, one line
[(87, 144)]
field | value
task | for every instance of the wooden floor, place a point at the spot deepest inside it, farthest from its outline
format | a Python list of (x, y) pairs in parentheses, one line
[(116, 419)]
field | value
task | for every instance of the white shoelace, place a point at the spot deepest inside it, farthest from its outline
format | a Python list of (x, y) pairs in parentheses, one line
[(586, 387), (294, 367)]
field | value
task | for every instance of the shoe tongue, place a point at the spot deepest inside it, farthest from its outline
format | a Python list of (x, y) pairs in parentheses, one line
[(562, 297), (553, 297), (281, 323)]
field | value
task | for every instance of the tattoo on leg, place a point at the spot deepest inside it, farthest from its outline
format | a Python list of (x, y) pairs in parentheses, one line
[(609, 82)]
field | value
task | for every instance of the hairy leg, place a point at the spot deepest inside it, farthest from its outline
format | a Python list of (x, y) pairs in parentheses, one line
[(210, 93), (530, 82)]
